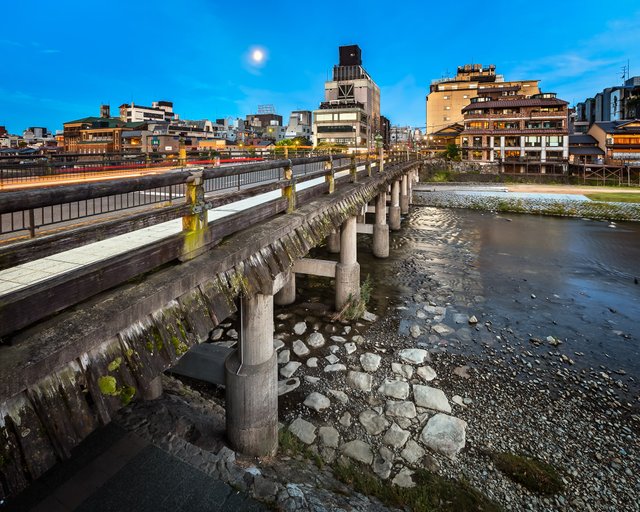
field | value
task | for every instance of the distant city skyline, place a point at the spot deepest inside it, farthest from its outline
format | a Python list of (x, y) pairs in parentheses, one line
[(217, 60)]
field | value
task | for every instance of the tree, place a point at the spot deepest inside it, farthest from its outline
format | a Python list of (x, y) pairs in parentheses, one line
[(452, 152), (296, 141)]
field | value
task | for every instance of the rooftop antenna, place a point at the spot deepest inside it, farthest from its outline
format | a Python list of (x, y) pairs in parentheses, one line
[(625, 73)]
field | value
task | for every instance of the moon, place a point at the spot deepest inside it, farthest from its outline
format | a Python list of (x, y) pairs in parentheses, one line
[(257, 56)]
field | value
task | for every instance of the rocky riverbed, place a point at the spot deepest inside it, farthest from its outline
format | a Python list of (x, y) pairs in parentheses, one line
[(431, 379)]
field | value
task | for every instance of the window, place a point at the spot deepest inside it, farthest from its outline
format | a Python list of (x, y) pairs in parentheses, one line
[(477, 125), (533, 141), (477, 142), (446, 97), (512, 142), (348, 116), (465, 96), (465, 142), (554, 141), (324, 117), (506, 125)]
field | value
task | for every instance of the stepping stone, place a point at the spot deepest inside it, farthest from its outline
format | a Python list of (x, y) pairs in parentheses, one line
[(329, 436), (315, 340), (350, 348), (412, 452), (395, 389), (332, 359), (359, 380), (317, 401), (444, 434), (403, 478), (414, 355), (373, 422), (370, 362), (345, 419), (406, 370), (430, 398), (395, 437), (358, 450), (283, 357), (335, 368), (303, 430), (277, 344), (382, 467), (426, 373), (312, 362), (402, 409), (300, 349), (289, 369), (285, 386), (341, 396), (300, 328)]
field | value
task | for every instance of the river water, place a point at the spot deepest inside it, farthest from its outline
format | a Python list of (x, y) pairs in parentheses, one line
[(575, 280)]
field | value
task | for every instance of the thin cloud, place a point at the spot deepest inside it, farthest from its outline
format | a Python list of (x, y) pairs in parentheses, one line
[(49, 51)]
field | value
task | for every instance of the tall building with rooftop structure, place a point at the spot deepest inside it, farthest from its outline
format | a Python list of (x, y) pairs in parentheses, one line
[(448, 96), (350, 112), (158, 111)]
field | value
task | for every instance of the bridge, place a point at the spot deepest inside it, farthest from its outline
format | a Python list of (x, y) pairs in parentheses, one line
[(103, 286)]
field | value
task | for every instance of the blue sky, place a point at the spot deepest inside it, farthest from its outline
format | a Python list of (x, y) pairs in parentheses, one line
[(61, 60)]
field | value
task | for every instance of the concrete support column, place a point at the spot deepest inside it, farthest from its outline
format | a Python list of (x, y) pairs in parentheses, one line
[(394, 208), (410, 187), (404, 196), (287, 294), (380, 228), (348, 270), (333, 242), (252, 382)]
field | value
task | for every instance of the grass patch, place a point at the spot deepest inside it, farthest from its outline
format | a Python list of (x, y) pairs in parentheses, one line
[(431, 493), (290, 445), (613, 197), (535, 475), (355, 308), (439, 177)]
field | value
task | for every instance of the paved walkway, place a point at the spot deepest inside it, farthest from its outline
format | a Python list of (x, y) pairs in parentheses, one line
[(27, 274), (117, 471)]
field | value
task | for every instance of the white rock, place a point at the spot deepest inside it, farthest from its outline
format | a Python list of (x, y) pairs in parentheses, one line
[(335, 368), (421, 314), (347, 329), (312, 362), (415, 331), (329, 436), (426, 373), (317, 401), (382, 467), (345, 419), (403, 478), (395, 389), (430, 398), (369, 317), (414, 355), (277, 344), (358, 450), (341, 396), (473, 320), (350, 348), (406, 370), (300, 328), (284, 386), (233, 334), (457, 399), (357, 339), (395, 437), (303, 430), (315, 340), (300, 349), (444, 434), (332, 358), (311, 380), (412, 452), (402, 409), (283, 357), (373, 422), (338, 339), (334, 348), (289, 369), (217, 334), (370, 362), (442, 329), (359, 380), (284, 316)]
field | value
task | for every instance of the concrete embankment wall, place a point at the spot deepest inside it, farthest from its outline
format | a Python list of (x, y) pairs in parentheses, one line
[(541, 206)]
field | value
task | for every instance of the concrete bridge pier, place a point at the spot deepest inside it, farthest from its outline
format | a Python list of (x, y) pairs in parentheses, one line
[(381, 228), (333, 242), (252, 382), (410, 180), (404, 195), (394, 208), (348, 270), (287, 294)]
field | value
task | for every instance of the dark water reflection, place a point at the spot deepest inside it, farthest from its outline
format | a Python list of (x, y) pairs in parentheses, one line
[(568, 278)]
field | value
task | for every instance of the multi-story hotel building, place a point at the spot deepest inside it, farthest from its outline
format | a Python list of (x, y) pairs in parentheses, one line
[(619, 140), (448, 96), (350, 114), (528, 132)]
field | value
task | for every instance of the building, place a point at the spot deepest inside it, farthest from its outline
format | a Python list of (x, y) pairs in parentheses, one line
[(619, 140), (350, 112), (266, 124), (526, 132), (299, 124), (584, 149), (159, 111), (402, 136), (448, 96), (385, 132), (616, 103)]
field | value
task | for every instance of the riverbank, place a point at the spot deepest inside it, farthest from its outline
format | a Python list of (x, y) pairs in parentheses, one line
[(561, 201), (364, 392)]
